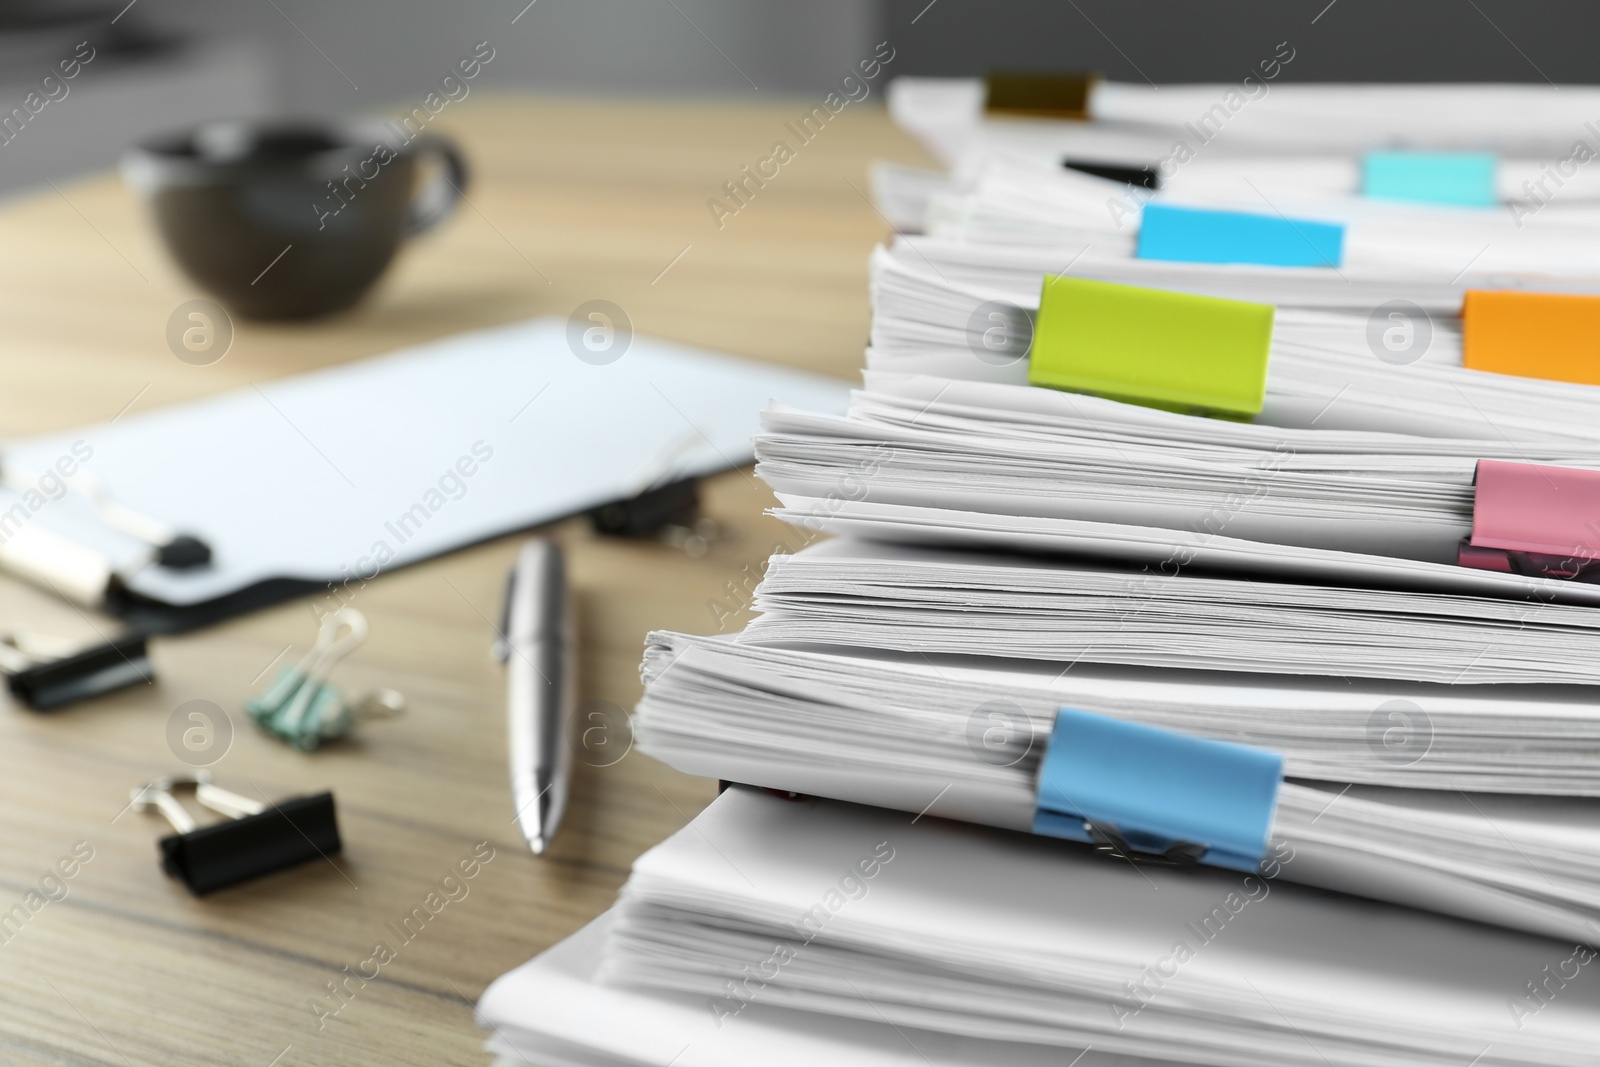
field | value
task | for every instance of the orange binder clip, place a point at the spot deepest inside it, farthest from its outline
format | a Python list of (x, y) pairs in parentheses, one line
[(1555, 336)]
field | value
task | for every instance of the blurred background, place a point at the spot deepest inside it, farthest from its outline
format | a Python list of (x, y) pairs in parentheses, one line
[(166, 63)]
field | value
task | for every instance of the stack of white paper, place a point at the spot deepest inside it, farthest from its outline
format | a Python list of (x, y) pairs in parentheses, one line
[(891, 676), (1522, 186), (1035, 591), (715, 702), (1327, 369), (877, 916), (1005, 200), (853, 594), (1258, 115), (1013, 272), (554, 1011), (1015, 450), (1164, 551)]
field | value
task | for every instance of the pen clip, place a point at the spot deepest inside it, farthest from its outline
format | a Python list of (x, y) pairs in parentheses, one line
[(501, 648)]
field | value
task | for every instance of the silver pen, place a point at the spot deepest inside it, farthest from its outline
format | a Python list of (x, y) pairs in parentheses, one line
[(536, 643)]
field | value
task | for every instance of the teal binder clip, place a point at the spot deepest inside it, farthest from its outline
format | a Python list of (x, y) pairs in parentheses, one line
[(300, 707), (1154, 795), (1461, 178)]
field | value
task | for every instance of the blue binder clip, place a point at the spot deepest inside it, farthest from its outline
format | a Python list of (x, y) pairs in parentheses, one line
[(1202, 235), (1152, 795)]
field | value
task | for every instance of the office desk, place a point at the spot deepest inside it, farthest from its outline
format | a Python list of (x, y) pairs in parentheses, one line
[(573, 201)]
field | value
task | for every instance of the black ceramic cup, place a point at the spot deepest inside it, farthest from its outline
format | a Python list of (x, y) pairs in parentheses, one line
[(292, 219)]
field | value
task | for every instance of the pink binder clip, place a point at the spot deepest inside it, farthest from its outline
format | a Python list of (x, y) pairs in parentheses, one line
[(1535, 520)]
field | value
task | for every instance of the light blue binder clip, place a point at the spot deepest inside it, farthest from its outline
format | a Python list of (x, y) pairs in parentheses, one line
[(1153, 795), (1462, 178), (1201, 235)]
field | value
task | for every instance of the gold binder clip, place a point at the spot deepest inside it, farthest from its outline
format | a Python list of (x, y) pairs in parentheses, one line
[(1037, 95)]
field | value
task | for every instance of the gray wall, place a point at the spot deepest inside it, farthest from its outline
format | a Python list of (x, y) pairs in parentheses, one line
[(113, 101), (395, 51), (1207, 40), (330, 56), (325, 56)]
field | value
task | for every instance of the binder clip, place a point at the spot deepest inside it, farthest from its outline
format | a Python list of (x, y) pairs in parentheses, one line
[(253, 840), (1208, 235), (46, 672), (1461, 178), (300, 707), (1534, 520), (1149, 795), (1127, 173), (667, 513), (664, 508), (1038, 95), (1173, 351), (1109, 841), (1531, 335)]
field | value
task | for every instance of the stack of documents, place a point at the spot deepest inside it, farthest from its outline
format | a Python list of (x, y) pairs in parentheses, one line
[(1202, 666), (930, 682), (1302, 581), (873, 916), (1165, 551), (905, 193), (855, 595), (787, 932), (1257, 116), (1013, 272), (871, 720), (1327, 369), (1010, 201), (1016, 450), (555, 1010)]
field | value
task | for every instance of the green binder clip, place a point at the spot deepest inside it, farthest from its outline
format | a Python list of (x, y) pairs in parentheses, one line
[(300, 707), (1176, 351)]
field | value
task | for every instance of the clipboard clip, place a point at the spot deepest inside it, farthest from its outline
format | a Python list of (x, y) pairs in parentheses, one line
[(169, 548), (254, 839)]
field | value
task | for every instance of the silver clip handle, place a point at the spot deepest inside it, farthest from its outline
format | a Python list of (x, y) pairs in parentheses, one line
[(338, 636), (158, 794)]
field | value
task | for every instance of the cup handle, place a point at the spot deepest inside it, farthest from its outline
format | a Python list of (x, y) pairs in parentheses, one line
[(436, 200)]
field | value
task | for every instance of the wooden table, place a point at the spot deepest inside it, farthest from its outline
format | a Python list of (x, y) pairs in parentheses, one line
[(573, 201)]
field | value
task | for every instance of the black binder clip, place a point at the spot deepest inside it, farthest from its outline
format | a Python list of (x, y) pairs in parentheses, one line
[(255, 839), (1129, 174), (669, 513), (46, 672), (1109, 841)]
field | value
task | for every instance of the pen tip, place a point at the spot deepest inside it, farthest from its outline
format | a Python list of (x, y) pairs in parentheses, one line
[(537, 844)]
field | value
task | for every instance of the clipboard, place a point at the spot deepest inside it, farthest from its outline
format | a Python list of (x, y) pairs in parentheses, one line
[(325, 480)]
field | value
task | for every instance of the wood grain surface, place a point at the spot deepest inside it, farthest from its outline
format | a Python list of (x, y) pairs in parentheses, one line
[(571, 201)]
